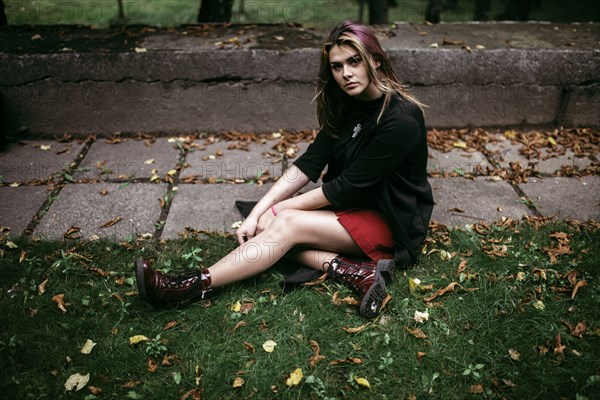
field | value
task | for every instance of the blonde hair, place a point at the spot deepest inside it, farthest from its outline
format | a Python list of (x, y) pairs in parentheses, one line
[(332, 101)]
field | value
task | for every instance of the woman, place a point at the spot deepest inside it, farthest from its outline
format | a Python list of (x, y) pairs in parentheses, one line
[(372, 211)]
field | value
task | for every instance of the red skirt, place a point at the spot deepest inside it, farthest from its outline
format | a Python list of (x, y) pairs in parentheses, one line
[(370, 231)]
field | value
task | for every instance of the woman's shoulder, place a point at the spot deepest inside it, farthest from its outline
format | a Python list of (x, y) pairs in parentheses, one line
[(403, 111)]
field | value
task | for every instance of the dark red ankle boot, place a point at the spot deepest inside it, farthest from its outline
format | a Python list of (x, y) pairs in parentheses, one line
[(364, 278), (161, 290)]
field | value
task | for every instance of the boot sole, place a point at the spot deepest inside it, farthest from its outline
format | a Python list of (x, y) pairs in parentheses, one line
[(370, 306), (141, 284)]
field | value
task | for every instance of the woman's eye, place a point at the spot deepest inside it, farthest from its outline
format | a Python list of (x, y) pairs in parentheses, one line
[(354, 61), (336, 67)]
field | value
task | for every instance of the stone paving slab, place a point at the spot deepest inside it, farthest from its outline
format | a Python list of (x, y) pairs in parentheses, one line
[(208, 207), (507, 152), (135, 159), (462, 201), (34, 160), (455, 160), (19, 205), (218, 161), (566, 198), (85, 207)]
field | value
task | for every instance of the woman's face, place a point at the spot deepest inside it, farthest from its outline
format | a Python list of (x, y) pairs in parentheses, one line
[(350, 72)]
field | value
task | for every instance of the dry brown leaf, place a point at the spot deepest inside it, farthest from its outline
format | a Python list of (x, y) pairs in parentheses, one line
[(347, 360), (130, 384), (578, 285), (152, 365), (59, 299), (420, 355), (72, 233), (169, 325), (99, 272), (449, 288), (239, 325), (94, 390), (168, 358), (357, 329), (461, 267), (110, 223), (22, 256), (249, 346), (418, 333), (514, 354), (42, 286), (316, 357), (476, 389)]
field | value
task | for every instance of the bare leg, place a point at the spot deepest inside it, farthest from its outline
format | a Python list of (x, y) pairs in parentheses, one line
[(315, 258), (314, 229)]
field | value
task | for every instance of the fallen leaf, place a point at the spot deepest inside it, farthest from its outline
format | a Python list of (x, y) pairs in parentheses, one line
[(269, 346), (131, 384), (514, 354), (236, 307), (358, 329), (421, 316), (59, 299), (88, 347), (152, 365), (11, 245), (539, 305), (363, 382), (42, 286), (168, 359), (578, 285), (249, 346), (347, 360), (94, 390), (45, 147), (295, 378), (141, 50), (99, 272), (316, 357), (76, 382), (172, 172), (150, 161), (239, 325), (22, 256), (110, 223), (476, 389), (37, 36), (460, 145), (443, 291), (154, 178), (419, 334), (136, 339), (72, 233), (238, 382), (420, 355)]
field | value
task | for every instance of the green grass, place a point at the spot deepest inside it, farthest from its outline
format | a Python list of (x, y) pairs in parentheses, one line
[(322, 14), (470, 330)]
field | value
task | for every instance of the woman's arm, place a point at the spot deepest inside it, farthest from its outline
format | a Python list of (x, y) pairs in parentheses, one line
[(292, 180)]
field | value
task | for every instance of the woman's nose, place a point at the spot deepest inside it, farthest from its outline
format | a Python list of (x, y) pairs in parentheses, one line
[(347, 71)]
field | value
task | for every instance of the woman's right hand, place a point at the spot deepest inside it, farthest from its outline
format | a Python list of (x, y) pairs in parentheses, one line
[(247, 230)]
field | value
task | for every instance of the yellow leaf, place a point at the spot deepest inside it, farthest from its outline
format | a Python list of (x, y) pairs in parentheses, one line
[(87, 347), (552, 141), (45, 147), (421, 316), (138, 339), (460, 145), (269, 346), (140, 50), (363, 382), (154, 178), (539, 305), (238, 382), (172, 172), (295, 378), (11, 245), (236, 307), (15, 184), (150, 161)]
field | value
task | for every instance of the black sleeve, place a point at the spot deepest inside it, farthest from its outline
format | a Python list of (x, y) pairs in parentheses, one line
[(392, 142), (316, 156)]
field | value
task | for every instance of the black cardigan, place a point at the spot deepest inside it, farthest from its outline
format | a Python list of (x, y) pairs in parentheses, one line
[(378, 165)]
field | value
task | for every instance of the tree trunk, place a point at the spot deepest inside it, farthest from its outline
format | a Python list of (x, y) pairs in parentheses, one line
[(121, 11), (378, 12), (361, 11), (482, 10), (516, 10), (3, 20), (215, 11)]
